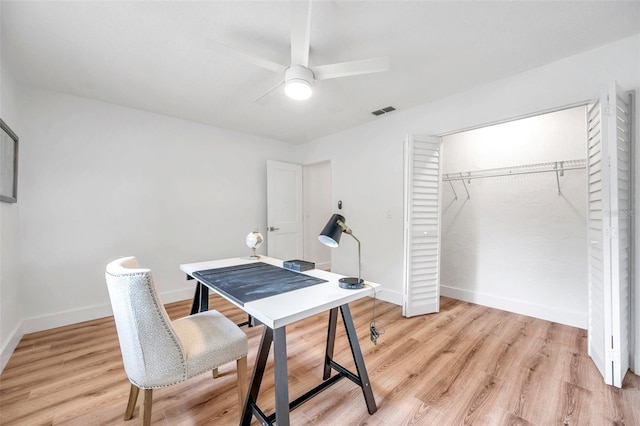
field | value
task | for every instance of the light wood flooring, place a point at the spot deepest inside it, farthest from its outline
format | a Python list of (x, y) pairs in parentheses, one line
[(467, 364)]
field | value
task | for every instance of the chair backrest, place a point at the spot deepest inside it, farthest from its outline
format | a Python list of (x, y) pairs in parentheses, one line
[(152, 353)]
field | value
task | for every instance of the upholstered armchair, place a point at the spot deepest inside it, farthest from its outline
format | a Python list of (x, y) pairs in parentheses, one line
[(158, 352)]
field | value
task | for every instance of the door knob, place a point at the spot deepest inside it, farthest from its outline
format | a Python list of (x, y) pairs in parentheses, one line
[(271, 228)]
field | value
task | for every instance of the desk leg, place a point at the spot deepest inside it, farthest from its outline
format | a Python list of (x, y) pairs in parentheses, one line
[(281, 376), (357, 357), (331, 339), (195, 306), (200, 299), (279, 339), (204, 297), (256, 379)]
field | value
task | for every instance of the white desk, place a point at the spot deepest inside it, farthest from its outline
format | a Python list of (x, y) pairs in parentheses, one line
[(276, 312)]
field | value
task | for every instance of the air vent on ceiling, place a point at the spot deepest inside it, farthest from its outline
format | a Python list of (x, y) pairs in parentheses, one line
[(383, 110)]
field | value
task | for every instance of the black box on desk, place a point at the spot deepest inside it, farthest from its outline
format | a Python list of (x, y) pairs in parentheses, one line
[(298, 265)]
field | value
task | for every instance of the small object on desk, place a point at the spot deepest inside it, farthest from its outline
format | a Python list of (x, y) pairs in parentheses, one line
[(298, 265), (351, 283), (254, 240)]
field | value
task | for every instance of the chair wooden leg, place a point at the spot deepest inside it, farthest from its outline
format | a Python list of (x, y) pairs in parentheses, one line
[(145, 413), (214, 373), (241, 367), (133, 399)]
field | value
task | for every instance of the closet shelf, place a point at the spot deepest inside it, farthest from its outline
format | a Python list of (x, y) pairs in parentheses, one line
[(557, 167)]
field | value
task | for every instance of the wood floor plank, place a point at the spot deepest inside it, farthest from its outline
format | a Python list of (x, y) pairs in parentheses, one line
[(467, 364), (412, 411)]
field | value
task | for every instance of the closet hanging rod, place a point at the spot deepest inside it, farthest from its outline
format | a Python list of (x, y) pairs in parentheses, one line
[(556, 166)]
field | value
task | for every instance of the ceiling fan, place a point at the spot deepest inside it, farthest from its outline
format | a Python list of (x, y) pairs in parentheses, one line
[(299, 77)]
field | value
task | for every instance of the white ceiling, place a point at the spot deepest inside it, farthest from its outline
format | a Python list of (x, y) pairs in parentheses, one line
[(152, 56)]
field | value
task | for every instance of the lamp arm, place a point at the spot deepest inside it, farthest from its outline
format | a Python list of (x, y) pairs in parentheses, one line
[(359, 258), (343, 226)]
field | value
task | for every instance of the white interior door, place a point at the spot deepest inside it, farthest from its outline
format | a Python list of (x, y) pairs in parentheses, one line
[(284, 210), (609, 166), (422, 217)]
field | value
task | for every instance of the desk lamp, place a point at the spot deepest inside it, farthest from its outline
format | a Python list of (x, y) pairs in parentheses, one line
[(330, 236)]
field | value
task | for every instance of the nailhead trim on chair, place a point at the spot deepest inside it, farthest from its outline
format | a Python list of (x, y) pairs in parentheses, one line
[(175, 340)]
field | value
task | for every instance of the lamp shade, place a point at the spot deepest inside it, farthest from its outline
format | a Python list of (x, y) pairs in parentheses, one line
[(330, 235)]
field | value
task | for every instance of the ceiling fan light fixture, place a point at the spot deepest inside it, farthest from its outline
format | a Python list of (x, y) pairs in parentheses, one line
[(298, 89), (298, 82)]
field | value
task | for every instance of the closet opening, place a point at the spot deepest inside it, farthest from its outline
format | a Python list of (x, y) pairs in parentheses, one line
[(514, 216)]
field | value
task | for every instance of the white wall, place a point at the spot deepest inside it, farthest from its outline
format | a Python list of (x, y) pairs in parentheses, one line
[(100, 181), (10, 292), (515, 243), (367, 160), (316, 184)]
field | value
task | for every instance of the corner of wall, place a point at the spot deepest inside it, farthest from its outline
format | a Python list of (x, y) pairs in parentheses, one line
[(10, 345), (573, 319), (390, 296)]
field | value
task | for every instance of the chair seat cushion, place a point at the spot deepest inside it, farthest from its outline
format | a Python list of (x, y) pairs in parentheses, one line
[(209, 340)]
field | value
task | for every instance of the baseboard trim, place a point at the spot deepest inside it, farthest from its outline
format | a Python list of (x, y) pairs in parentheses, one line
[(390, 296), (60, 319), (574, 319), (10, 345)]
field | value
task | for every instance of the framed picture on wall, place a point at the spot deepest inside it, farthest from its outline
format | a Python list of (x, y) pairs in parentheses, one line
[(8, 164)]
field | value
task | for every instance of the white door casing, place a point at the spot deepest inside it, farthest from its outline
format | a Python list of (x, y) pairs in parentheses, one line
[(422, 218), (284, 210)]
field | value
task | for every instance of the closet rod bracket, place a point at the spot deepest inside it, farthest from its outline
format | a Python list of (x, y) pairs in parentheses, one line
[(455, 195), (559, 167), (465, 186)]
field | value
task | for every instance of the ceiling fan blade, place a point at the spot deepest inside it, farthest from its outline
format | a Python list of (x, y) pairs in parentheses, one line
[(300, 32), (264, 98), (246, 57), (345, 69)]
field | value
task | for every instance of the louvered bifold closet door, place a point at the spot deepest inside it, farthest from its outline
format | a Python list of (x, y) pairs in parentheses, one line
[(619, 123), (598, 222), (609, 170), (423, 173)]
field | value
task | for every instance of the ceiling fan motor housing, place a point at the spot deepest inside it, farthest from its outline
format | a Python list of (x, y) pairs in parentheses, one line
[(298, 82)]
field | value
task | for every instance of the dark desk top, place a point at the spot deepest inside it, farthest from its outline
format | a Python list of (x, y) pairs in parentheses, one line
[(253, 281)]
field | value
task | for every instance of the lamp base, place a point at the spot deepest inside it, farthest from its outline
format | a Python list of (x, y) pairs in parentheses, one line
[(351, 283)]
